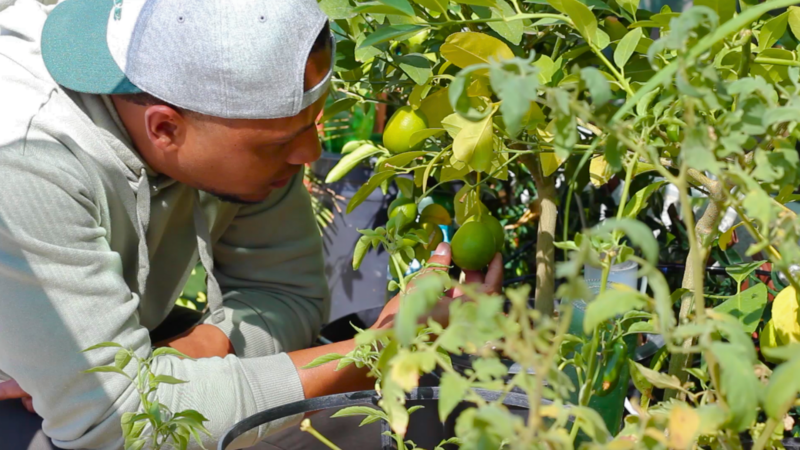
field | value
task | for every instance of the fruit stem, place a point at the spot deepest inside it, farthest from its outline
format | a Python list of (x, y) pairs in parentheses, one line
[(478, 195)]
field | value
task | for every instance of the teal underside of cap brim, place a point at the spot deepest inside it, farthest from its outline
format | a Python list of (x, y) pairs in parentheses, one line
[(75, 51)]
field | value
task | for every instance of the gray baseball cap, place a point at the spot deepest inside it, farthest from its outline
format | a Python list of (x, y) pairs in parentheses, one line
[(237, 59)]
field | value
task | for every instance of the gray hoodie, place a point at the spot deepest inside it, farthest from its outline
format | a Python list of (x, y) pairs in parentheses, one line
[(94, 246)]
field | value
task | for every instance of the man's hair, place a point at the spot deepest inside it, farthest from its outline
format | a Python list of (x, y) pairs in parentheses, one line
[(145, 99)]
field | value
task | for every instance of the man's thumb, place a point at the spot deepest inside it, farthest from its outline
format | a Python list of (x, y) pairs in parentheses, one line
[(441, 256)]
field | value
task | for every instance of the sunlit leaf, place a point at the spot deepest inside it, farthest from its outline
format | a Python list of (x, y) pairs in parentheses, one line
[(468, 48), (626, 47)]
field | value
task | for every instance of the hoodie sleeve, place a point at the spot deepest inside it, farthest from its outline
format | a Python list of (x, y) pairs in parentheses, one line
[(270, 267), (63, 291)]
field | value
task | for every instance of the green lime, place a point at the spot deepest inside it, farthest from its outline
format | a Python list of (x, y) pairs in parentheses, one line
[(406, 205), (494, 225), (405, 122), (473, 246), (435, 213)]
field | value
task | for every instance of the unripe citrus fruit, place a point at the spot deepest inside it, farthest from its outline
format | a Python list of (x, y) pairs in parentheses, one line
[(473, 246), (405, 122), (435, 213), (495, 227), (406, 205)]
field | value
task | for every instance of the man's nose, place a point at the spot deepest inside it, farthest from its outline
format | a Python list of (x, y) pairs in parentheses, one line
[(306, 148)]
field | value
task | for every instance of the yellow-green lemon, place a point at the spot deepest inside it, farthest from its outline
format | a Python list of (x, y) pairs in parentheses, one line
[(406, 205), (404, 123)]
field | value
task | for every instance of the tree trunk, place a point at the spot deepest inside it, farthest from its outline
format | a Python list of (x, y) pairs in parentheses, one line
[(544, 294)]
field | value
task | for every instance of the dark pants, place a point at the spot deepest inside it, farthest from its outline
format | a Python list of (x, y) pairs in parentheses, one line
[(21, 430)]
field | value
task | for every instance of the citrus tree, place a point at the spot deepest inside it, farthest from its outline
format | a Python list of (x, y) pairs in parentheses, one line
[(707, 100)]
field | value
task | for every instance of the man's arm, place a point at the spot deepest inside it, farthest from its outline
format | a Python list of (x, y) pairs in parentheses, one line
[(63, 291), (270, 267)]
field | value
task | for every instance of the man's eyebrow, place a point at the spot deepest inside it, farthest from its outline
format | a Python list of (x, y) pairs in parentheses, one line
[(291, 137)]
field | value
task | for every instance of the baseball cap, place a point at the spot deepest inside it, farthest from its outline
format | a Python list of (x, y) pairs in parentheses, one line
[(237, 59)]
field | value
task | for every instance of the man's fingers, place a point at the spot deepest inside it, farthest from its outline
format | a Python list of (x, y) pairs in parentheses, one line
[(441, 256), (493, 282), (10, 389)]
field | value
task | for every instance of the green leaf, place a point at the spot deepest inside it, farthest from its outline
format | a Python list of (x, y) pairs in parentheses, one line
[(781, 392), (367, 189), (136, 445), (772, 31), (488, 3), (392, 32), (337, 9), (421, 135), (324, 359), (102, 345), (639, 381), (341, 105), (630, 6), (469, 48), (416, 66), (166, 379), (362, 246), (626, 47), (354, 411), (794, 21), (639, 200), (103, 369), (163, 351), (611, 303), (474, 144), (643, 105), (747, 306), (738, 384), (452, 390), (401, 160), (401, 7), (583, 18), (639, 233), (350, 161), (517, 91), (122, 358), (656, 379), (590, 421), (740, 272), (598, 86), (780, 114), (439, 6), (512, 30), (724, 8), (192, 414)]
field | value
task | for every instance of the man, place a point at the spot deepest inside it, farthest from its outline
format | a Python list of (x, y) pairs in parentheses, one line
[(138, 137)]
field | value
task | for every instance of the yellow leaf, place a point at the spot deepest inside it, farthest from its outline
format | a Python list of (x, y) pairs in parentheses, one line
[(468, 48), (405, 370), (785, 316), (474, 144), (684, 424), (726, 237), (533, 117), (436, 107), (599, 171), (550, 163), (453, 124), (479, 87)]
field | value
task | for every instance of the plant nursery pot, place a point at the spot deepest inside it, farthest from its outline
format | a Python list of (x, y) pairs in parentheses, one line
[(352, 290), (424, 427)]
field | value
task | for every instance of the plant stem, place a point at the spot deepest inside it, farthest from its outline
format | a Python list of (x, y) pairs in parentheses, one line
[(700, 235), (545, 236), (306, 426), (627, 188), (613, 70), (765, 434)]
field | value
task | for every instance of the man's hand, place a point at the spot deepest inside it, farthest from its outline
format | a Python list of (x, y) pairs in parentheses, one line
[(10, 390), (491, 283), (202, 341)]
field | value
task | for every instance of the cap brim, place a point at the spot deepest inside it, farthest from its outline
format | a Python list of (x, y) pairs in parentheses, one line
[(75, 50)]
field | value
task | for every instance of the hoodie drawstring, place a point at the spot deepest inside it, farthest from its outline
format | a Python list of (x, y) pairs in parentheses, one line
[(143, 219), (214, 294), (203, 246)]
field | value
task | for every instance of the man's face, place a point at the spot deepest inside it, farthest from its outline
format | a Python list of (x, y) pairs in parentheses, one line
[(238, 160)]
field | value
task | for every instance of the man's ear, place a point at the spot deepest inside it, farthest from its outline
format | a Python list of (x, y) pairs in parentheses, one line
[(166, 128)]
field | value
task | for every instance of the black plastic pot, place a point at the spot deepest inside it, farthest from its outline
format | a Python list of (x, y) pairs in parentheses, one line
[(352, 290), (424, 427)]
